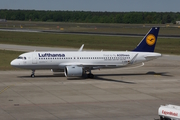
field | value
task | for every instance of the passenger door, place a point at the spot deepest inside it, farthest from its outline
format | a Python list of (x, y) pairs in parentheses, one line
[(34, 58)]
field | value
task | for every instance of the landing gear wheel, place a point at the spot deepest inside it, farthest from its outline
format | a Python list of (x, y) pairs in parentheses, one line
[(32, 75), (90, 76)]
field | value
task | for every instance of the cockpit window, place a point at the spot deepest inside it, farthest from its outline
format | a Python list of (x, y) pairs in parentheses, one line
[(25, 58), (20, 57)]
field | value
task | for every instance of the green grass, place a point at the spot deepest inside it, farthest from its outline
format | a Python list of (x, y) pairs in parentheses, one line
[(6, 58), (164, 45), (168, 45), (170, 29), (60, 40)]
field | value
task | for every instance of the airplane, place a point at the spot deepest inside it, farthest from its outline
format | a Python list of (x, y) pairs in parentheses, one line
[(80, 63)]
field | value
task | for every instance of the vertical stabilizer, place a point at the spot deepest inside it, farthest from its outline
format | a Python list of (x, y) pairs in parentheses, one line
[(148, 43)]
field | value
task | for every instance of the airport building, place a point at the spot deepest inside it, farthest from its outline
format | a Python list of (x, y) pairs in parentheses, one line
[(177, 22), (2, 20)]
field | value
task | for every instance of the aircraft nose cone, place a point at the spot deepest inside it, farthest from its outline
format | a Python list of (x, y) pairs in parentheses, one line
[(13, 63)]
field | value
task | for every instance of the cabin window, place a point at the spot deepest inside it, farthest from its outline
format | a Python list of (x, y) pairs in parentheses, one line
[(20, 57)]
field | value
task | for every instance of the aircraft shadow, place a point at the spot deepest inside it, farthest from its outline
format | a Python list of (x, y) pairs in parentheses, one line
[(101, 76), (44, 76), (138, 74), (97, 76), (112, 80)]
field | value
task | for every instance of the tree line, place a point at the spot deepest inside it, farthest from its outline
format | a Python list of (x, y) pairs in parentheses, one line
[(92, 17)]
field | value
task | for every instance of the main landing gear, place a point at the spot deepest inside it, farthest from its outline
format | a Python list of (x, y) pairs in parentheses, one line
[(89, 75), (33, 74)]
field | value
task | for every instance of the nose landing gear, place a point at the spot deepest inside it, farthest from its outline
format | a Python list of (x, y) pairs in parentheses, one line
[(33, 74)]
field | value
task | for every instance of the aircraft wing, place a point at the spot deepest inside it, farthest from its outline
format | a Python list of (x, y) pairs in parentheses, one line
[(90, 65), (133, 59)]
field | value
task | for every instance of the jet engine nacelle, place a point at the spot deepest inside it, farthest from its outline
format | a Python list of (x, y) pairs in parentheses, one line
[(73, 71)]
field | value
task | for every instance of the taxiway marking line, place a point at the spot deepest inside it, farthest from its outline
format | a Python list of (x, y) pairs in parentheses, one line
[(3, 90)]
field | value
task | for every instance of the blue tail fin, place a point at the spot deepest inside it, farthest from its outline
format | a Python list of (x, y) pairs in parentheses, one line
[(148, 43)]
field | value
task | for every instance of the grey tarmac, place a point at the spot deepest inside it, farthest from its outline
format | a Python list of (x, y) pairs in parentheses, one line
[(125, 94), (82, 33), (26, 48)]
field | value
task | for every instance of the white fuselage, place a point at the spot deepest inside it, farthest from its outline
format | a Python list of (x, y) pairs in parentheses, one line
[(93, 60), (78, 63)]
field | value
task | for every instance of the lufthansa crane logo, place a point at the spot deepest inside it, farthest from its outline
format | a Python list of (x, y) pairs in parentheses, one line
[(150, 39)]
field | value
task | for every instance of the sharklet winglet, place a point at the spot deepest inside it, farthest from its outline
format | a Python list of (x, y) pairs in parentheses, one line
[(81, 48)]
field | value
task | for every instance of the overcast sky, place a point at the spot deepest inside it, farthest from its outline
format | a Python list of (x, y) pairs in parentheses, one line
[(94, 5)]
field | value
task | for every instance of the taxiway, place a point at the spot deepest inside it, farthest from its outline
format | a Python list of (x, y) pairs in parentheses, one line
[(113, 94)]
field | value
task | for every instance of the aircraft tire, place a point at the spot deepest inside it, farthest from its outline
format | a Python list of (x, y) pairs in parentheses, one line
[(32, 75), (90, 76)]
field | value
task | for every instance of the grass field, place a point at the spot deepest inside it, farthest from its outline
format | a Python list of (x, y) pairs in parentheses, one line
[(6, 58), (168, 29), (168, 46), (164, 45)]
